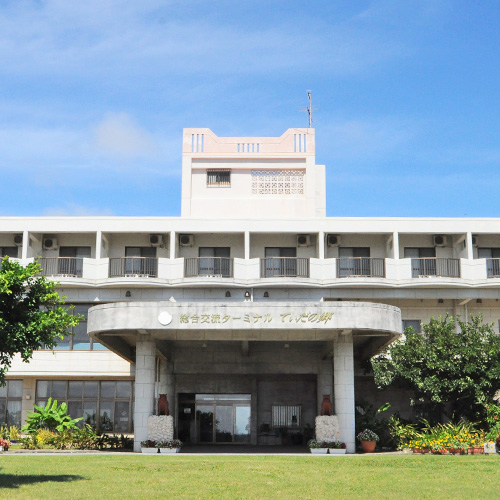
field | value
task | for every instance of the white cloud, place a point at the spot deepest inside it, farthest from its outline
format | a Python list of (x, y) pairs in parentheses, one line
[(73, 209), (119, 136)]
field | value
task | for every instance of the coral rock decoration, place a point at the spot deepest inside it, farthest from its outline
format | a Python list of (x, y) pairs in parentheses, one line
[(160, 428), (327, 428), (326, 405)]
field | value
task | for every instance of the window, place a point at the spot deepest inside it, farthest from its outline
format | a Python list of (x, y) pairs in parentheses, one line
[(71, 263), (10, 403), (214, 261), (8, 252), (80, 340), (219, 178), (286, 415), (416, 324), (419, 253), (354, 261), (105, 405), (278, 181), (77, 252)]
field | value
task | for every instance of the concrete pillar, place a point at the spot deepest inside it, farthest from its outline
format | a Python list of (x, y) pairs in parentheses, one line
[(395, 245), (29, 397), (144, 389), (172, 245), (247, 245), (166, 385), (26, 243), (321, 245), (470, 246), (343, 385), (98, 245)]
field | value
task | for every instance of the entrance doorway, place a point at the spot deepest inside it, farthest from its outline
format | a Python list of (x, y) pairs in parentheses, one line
[(214, 418)]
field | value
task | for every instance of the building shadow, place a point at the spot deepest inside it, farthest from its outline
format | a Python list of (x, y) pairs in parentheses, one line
[(17, 480)]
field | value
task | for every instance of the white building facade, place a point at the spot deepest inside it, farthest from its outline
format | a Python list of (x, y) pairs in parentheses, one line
[(249, 308)]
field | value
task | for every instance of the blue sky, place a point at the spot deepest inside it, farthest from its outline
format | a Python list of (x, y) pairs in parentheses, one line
[(94, 96)]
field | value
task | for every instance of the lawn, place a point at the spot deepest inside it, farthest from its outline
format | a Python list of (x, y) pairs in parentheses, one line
[(248, 477)]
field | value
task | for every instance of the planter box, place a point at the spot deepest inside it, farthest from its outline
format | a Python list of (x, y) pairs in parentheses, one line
[(319, 451), (337, 451), (490, 448), (170, 451), (149, 450), (476, 450)]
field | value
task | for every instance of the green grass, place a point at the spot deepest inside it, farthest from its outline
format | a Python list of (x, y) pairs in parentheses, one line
[(248, 477)]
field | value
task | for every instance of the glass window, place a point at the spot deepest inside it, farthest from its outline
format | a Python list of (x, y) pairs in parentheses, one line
[(8, 252), (75, 389), (42, 389), (10, 403), (219, 178), (413, 323), (106, 416), (123, 390), (90, 389), (107, 390), (58, 389)]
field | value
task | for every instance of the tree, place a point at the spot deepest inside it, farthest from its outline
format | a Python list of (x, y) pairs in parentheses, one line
[(32, 314), (441, 365)]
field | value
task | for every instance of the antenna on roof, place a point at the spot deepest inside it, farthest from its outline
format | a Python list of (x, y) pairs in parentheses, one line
[(309, 110)]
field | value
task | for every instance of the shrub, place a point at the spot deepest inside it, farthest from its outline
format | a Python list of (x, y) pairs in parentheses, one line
[(51, 416)]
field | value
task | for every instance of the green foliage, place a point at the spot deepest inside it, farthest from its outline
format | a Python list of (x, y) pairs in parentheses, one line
[(493, 421), (369, 417), (51, 417), (31, 313), (442, 365)]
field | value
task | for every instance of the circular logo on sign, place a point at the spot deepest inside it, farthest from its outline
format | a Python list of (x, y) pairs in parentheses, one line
[(165, 318)]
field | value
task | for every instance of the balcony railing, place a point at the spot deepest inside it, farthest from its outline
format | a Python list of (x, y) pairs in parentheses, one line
[(62, 266), (221, 267), (360, 266), (133, 266), (432, 266), (284, 267), (493, 268)]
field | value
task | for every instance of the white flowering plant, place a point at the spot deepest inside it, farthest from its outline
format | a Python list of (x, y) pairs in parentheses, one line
[(367, 435)]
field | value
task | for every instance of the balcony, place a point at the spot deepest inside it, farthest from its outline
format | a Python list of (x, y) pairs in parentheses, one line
[(371, 267), (61, 266), (432, 266), (493, 268), (220, 267), (140, 267), (284, 267)]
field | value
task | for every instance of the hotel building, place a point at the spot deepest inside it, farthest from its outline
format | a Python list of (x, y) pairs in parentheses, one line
[(249, 308)]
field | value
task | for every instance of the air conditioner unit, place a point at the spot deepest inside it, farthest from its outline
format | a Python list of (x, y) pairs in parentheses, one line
[(333, 240), (186, 240), (474, 241), (50, 243), (156, 240), (439, 240), (303, 240), (18, 240)]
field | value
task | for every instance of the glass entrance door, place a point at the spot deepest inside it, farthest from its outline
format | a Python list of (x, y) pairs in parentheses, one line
[(217, 418)]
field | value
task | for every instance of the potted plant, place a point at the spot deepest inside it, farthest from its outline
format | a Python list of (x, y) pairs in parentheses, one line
[(337, 448), (4, 444), (169, 446), (317, 448), (368, 440), (149, 446)]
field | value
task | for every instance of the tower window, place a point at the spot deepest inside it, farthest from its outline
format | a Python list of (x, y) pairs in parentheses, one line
[(219, 178)]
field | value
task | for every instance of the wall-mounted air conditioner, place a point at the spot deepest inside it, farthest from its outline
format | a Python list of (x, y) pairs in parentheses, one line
[(186, 240), (333, 240), (18, 240), (50, 243), (439, 240), (303, 240), (156, 240)]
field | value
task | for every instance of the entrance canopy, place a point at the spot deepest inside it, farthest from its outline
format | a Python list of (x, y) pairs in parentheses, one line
[(120, 325)]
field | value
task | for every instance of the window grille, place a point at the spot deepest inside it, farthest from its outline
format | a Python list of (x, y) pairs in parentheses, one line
[(286, 415), (278, 182), (219, 178), (414, 323)]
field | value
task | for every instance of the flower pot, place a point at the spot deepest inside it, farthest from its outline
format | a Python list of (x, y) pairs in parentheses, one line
[(319, 451), (149, 450), (490, 448), (337, 451), (476, 450), (456, 451), (1, 449), (368, 446), (170, 451)]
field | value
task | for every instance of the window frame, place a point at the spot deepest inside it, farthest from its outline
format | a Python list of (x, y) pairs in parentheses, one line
[(219, 177)]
